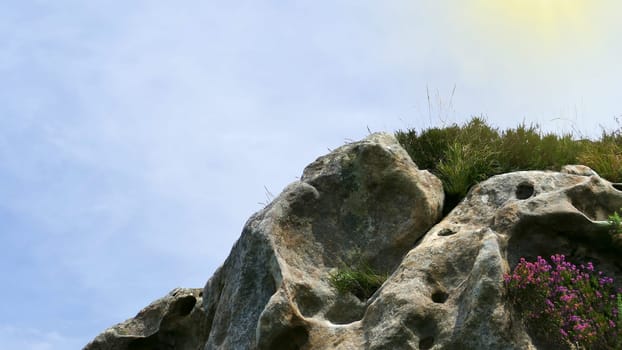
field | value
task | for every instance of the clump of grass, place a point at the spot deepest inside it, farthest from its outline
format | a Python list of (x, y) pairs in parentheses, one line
[(459, 155), (526, 148), (362, 281), (604, 155), (428, 147), (465, 165), (462, 155)]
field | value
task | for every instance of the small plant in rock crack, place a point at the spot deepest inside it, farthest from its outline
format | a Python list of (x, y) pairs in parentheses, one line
[(615, 223), (565, 305), (362, 280)]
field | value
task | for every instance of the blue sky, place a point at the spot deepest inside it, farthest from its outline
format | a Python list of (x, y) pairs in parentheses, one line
[(137, 137)]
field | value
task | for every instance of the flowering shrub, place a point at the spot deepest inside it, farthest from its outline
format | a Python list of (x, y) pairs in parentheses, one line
[(564, 304)]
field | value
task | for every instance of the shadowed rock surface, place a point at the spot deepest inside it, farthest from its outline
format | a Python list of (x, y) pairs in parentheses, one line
[(368, 202), (176, 321)]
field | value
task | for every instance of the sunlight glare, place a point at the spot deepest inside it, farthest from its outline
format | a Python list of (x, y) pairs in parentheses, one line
[(541, 17)]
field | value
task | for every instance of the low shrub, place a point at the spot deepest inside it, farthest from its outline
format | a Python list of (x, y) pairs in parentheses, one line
[(566, 305)]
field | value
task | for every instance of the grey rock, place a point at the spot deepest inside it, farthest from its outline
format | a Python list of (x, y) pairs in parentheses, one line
[(448, 292), (365, 201), (577, 169), (175, 322)]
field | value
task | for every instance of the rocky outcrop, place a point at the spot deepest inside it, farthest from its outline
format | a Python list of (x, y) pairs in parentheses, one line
[(176, 321), (367, 202), (448, 292)]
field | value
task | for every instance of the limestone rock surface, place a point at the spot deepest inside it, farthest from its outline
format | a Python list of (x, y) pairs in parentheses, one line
[(448, 292), (367, 201), (364, 201), (176, 321)]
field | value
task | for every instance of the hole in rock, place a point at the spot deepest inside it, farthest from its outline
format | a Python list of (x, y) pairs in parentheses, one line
[(446, 232), (345, 311), (617, 186), (291, 339), (439, 297), (143, 344), (158, 341), (308, 303), (424, 326), (426, 343), (183, 306), (524, 190)]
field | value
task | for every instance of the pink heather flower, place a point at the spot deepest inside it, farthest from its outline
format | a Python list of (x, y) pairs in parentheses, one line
[(605, 280), (569, 298), (549, 303), (580, 327)]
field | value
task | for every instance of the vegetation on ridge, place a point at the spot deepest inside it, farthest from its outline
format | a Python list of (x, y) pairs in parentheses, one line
[(562, 304), (462, 155)]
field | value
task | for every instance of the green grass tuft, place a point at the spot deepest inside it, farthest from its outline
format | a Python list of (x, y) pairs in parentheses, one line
[(361, 281), (462, 155)]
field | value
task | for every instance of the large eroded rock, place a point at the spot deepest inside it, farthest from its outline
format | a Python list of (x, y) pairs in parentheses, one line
[(448, 292), (367, 201)]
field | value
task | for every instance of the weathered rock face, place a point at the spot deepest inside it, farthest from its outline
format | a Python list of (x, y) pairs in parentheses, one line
[(448, 292), (364, 201), (367, 201), (176, 321)]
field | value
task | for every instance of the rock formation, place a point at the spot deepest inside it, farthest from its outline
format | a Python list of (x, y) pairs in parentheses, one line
[(176, 321), (368, 202)]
